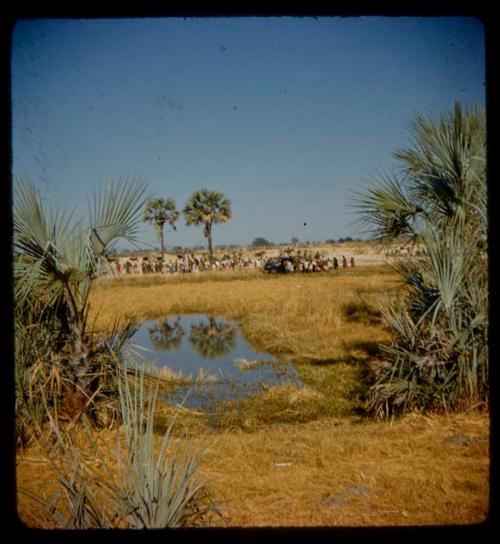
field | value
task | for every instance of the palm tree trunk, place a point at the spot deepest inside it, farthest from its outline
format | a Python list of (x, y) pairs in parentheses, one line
[(161, 243), (79, 354), (208, 234)]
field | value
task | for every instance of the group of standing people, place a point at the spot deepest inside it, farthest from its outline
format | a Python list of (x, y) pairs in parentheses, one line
[(189, 263), (316, 263)]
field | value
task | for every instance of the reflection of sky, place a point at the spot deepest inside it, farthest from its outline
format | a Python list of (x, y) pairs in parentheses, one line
[(187, 359)]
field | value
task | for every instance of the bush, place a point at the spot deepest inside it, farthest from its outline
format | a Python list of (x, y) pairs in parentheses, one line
[(438, 358), (150, 488), (59, 358), (261, 242)]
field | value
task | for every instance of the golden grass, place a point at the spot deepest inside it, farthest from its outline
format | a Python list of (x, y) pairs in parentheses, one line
[(167, 376), (330, 472), (404, 473), (297, 315), (291, 456)]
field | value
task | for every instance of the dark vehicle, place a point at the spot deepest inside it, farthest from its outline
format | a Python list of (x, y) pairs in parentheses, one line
[(276, 265)]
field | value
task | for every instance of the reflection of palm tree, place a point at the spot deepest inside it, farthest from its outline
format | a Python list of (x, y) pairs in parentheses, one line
[(213, 339), (165, 336)]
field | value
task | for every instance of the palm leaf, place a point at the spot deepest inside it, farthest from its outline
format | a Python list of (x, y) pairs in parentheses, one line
[(386, 208), (115, 213)]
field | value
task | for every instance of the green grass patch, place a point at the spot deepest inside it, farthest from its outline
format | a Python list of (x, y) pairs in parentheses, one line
[(328, 391)]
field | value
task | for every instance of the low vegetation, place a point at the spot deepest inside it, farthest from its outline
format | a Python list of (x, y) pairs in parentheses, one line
[(438, 356), (62, 363), (287, 454), (149, 483)]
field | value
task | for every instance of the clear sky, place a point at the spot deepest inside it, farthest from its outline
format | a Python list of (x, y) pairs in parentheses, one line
[(285, 116)]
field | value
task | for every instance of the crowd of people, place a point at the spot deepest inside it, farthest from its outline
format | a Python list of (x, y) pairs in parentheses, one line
[(318, 263), (189, 263)]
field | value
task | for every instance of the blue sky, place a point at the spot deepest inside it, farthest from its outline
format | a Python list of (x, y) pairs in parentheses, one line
[(285, 116)]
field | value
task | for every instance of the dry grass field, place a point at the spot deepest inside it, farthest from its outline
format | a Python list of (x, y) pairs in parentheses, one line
[(304, 456), (297, 314), (331, 472)]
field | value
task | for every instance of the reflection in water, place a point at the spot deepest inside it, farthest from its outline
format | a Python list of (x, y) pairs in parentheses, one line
[(215, 346), (212, 338), (165, 336)]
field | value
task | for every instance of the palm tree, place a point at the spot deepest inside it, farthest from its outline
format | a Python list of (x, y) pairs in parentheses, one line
[(56, 261), (206, 207), (439, 353), (159, 211)]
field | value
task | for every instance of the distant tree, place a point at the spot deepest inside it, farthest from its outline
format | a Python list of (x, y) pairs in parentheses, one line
[(295, 240), (341, 240), (348, 239), (178, 249), (159, 211), (259, 242), (330, 241), (206, 207)]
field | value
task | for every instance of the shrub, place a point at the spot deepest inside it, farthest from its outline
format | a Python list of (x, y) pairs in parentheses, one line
[(150, 488), (438, 359), (56, 262)]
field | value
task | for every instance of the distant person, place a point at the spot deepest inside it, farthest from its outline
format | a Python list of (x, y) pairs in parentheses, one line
[(335, 263), (352, 262), (344, 262)]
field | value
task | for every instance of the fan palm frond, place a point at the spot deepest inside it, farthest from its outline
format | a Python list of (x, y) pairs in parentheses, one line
[(115, 213), (386, 208), (56, 261), (439, 354)]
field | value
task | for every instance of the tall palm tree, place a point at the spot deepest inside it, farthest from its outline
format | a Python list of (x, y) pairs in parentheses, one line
[(206, 207), (159, 211), (439, 352), (57, 259)]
